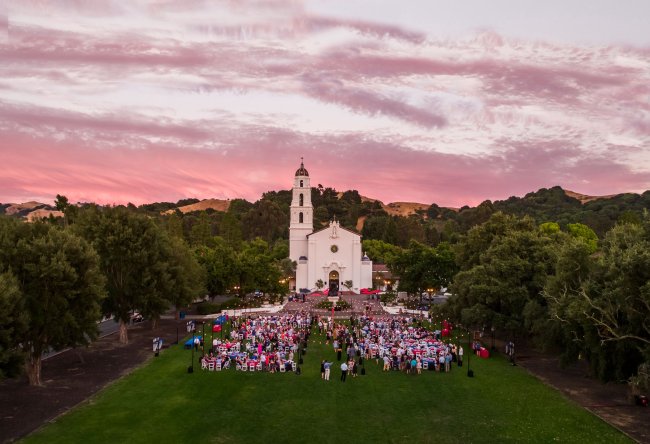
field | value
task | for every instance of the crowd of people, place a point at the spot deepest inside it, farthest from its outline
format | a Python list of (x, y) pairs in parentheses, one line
[(271, 343), (398, 342), (265, 343)]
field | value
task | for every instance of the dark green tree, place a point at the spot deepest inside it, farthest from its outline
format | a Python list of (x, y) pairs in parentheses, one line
[(13, 325), (220, 265), (134, 260), (187, 278), (504, 265), (62, 285), (420, 267), (201, 232)]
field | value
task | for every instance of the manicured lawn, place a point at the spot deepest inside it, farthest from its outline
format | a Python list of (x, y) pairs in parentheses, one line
[(161, 403)]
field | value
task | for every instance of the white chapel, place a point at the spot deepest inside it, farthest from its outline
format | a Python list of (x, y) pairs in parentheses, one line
[(332, 254)]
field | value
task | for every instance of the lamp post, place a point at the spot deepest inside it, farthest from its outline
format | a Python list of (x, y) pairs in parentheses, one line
[(190, 369), (470, 350), (493, 348)]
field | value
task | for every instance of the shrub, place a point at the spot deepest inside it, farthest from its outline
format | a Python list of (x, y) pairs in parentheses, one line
[(206, 308), (340, 305), (388, 297)]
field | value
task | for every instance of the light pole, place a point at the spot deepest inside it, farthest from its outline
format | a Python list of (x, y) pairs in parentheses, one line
[(470, 373), (190, 369), (493, 348)]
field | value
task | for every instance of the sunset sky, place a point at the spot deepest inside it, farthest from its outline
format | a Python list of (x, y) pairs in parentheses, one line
[(117, 101)]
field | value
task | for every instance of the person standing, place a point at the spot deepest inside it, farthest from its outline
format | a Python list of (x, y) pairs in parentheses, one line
[(386, 363), (322, 369), (344, 371), (460, 356), (327, 365)]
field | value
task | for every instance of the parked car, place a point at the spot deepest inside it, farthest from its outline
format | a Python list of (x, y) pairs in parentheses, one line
[(137, 317)]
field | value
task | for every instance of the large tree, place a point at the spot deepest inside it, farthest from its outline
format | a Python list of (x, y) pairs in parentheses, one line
[(603, 300), (61, 285), (186, 277), (504, 264), (13, 325), (220, 265), (420, 267), (133, 258)]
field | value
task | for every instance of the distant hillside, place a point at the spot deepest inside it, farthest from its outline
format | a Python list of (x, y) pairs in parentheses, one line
[(214, 204), (30, 210), (583, 198), (396, 208)]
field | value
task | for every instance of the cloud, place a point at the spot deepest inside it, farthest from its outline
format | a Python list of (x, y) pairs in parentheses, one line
[(139, 101)]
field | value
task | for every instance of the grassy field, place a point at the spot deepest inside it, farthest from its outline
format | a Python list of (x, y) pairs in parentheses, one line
[(162, 403)]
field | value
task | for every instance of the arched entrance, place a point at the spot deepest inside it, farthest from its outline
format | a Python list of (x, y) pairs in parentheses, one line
[(333, 283)]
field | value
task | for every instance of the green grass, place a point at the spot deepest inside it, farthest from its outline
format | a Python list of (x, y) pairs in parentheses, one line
[(161, 403)]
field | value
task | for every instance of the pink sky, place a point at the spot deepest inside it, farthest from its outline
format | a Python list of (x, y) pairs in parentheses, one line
[(143, 101)]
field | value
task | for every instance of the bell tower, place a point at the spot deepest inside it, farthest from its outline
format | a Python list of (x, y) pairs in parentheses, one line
[(302, 214)]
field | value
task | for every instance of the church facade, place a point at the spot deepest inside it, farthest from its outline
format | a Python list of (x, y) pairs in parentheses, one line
[(332, 254)]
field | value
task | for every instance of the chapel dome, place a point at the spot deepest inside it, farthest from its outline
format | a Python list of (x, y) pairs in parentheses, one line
[(302, 171)]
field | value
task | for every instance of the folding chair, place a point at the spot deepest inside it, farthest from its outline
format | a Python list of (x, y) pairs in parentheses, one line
[(211, 366), (258, 367), (218, 367), (282, 368), (425, 365)]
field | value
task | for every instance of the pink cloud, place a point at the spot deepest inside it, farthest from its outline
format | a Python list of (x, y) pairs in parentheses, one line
[(266, 160), (522, 115)]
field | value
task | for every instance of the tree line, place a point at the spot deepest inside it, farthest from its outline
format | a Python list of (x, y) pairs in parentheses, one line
[(58, 278), (562, 288)]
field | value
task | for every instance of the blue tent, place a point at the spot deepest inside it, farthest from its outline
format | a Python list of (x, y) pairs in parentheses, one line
[(220, 320), (190, 342)]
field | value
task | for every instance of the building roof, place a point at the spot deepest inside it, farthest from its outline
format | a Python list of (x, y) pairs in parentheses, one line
[(338, 226), (381, 270), (302, 171)]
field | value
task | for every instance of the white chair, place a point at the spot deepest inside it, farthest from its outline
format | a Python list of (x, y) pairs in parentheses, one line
[(204, 365), (425, 365), (251, 366), (282, 368), (226, 365), (238, 367), (211, 366), (293, 366), (217, 367), (258, 367), (244, 368)]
